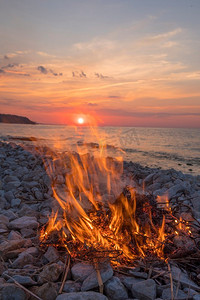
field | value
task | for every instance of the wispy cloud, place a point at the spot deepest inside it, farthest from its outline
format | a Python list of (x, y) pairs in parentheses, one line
[(92, 104), (44, 54), (45, 71), (9, 66), (166, 35), (101, 76), (95, 44), (42, 69), (16, 53)]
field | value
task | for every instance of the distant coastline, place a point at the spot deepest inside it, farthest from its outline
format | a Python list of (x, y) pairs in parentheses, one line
[(14, 119)]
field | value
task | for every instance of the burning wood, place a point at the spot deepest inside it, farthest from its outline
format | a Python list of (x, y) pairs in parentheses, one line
[(103, 223)]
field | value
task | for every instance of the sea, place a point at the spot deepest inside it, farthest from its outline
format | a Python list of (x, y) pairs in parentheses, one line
[(165, 148)]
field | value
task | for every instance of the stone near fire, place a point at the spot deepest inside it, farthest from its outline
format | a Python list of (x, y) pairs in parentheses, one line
[(15, 202), (31, 250), (82, 296), (47, 291), (9, 196), (183, 278), (13, 253), (12, 185), (50, 273), (24, 222), (3, 228), (28, 232), (52, 254), (195, 199), (9, 291), (172, 191), (4, 220), (23, 280), (115, 290), (81, 271), (145, 290), (190, 292), (14, 235), (139, 274), (11, 245), (92, 281), (23, 260), (167, 294), (71, 286), (10, 214), (129, 281)]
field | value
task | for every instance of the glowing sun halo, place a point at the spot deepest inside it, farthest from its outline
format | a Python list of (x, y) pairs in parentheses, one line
[(80, 121)]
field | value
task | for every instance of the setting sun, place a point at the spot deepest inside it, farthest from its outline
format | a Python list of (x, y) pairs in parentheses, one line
[(80, 121)]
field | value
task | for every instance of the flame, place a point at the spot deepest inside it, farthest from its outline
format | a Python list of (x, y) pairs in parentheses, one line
[(89, 219)]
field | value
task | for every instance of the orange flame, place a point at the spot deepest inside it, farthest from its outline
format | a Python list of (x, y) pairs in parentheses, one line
[(89, 216)]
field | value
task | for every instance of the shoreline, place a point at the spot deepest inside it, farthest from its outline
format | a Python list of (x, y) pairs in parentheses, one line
[(153, 158), (157, 181)]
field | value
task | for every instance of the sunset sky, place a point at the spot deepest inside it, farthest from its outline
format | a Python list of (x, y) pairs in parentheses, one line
[(122, 62)]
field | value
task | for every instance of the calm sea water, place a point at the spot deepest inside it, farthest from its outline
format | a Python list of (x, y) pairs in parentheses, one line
[(177, 148)]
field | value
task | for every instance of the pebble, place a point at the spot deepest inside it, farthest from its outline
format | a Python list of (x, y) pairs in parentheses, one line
[(82, 296), (129, 281), (15, 202), (47, 291), (23, 280), (9, 196), (71, 286), (115, 290), (171, 192), (9, 291), (81, 271), (11, 245), (24, 222), (183, 278), (52, 254), (50, 273), (92, 281), (145, 290), (167, 294), (22, 260), (139, 274)]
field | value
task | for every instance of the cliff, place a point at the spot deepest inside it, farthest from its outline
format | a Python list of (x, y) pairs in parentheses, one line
[(4, 118)]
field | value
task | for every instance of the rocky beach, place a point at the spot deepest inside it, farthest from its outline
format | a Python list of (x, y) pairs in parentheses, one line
[(30, 271)]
